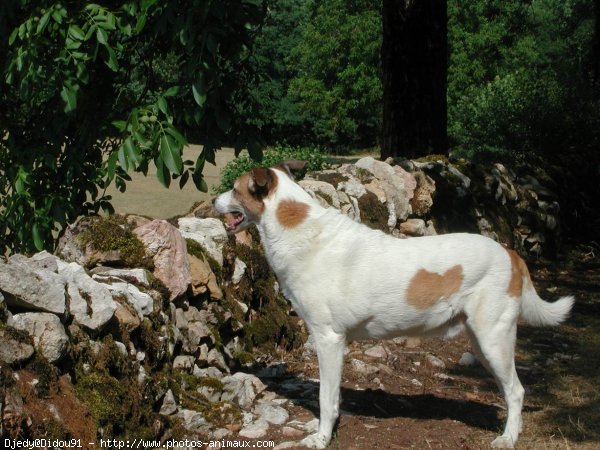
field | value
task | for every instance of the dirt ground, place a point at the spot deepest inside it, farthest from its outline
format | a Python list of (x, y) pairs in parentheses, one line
[(411, 404), (146, 196)]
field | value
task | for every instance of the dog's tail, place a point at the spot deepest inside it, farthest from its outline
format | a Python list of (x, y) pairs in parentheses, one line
[(539, 312)]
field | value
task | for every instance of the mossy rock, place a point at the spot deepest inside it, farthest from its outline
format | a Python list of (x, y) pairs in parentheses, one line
[(373, 213), (333, 178), (115, 234)]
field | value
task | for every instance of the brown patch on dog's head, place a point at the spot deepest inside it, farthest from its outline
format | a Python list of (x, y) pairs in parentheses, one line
[(427, 288), (518, 270), (291, 213), (251, 188)]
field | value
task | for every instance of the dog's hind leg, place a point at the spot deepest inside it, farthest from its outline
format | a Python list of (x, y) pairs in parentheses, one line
[(494, 339), (330, 351)]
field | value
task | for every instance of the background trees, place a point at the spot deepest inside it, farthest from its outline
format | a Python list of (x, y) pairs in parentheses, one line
[(90, 91)]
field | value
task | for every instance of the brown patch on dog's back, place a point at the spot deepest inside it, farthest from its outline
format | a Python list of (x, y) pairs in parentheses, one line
[(291, 213), (518, 270), (426, 288)]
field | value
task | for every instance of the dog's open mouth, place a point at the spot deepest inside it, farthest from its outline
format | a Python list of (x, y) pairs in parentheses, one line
[(233, 220)]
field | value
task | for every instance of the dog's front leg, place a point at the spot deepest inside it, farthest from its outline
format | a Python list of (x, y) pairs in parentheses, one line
[(330, 351)]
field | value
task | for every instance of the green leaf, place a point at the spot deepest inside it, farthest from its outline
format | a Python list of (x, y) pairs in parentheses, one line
[(162, 173), (199, 181), (170, 153), (69, 96), (133, 153), (111, 165), (123, 161), (76, 33), (101, 36), (37, 237), (13, 36), (209, 153), (184, 179), (223, 119), (119, 124), (173, 90), (43, 22), (162, 105), (112, 59), (199, 91), (181, 140)]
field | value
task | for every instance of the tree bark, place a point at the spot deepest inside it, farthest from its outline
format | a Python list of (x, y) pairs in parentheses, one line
[(414, 56)]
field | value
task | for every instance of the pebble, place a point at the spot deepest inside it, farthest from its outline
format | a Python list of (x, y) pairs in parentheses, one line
[(467, 359), (255, 430)]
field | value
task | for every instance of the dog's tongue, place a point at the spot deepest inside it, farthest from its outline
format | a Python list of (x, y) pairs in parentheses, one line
[(232, 220)]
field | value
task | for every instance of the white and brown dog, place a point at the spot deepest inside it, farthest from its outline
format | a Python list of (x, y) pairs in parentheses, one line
[(348, 282)]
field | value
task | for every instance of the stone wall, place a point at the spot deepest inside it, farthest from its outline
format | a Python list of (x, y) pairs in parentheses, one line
[(154, 325)]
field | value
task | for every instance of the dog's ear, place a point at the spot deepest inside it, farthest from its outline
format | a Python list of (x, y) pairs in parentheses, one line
[(291, 166), (260, 182)]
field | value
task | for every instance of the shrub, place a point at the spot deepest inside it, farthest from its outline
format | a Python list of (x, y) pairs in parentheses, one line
[(272, 156)]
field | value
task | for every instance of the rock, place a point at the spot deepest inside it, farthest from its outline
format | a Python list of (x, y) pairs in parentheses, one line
[(91, 303), (183, 362), (292, 433), (255, 430), (322, 191), (195, 333), (363, 369), (126, 315), (242, 388), (271, 413), (48, 333), (32, 288), (353, 187), (220, 434), (203, 279), (215, 359), (397, 184), (211, 372), (413, 227), (434, 361), (412, 342), (169, 405), (139, 277), (238, 271), (468, 359), (167, 248), (422, 200), (194, 421), (14, 346), (142, 302), (203, 210), (377, 351), (209, 233), (45, 260), (244, 237)]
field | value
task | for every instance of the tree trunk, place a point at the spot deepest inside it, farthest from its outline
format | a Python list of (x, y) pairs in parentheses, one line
[(414, 56)]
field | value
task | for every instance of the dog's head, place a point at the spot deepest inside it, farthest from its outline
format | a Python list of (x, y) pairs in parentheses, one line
[(245, 203)]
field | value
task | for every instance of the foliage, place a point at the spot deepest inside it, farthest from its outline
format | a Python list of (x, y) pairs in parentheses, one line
[(279, 117), (272, 156), (520, 76), (91, 91), (337, 79)]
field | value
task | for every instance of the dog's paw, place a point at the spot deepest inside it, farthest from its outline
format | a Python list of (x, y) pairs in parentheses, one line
[(314, 441), (503, 442)]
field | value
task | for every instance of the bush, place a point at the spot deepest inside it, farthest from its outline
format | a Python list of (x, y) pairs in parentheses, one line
[(272, 156)]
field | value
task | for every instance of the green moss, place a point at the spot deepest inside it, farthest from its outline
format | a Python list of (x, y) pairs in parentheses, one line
[(211, 382), (326, 197), (110, 358), (222, 413), (47, 375), (150, 339), (373, 213), (114, 233), (243, 358), (363, 175), (103, 395), (333, 178), (274, 325)]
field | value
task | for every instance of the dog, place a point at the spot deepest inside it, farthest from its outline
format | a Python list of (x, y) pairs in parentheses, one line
[(348, 281)]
